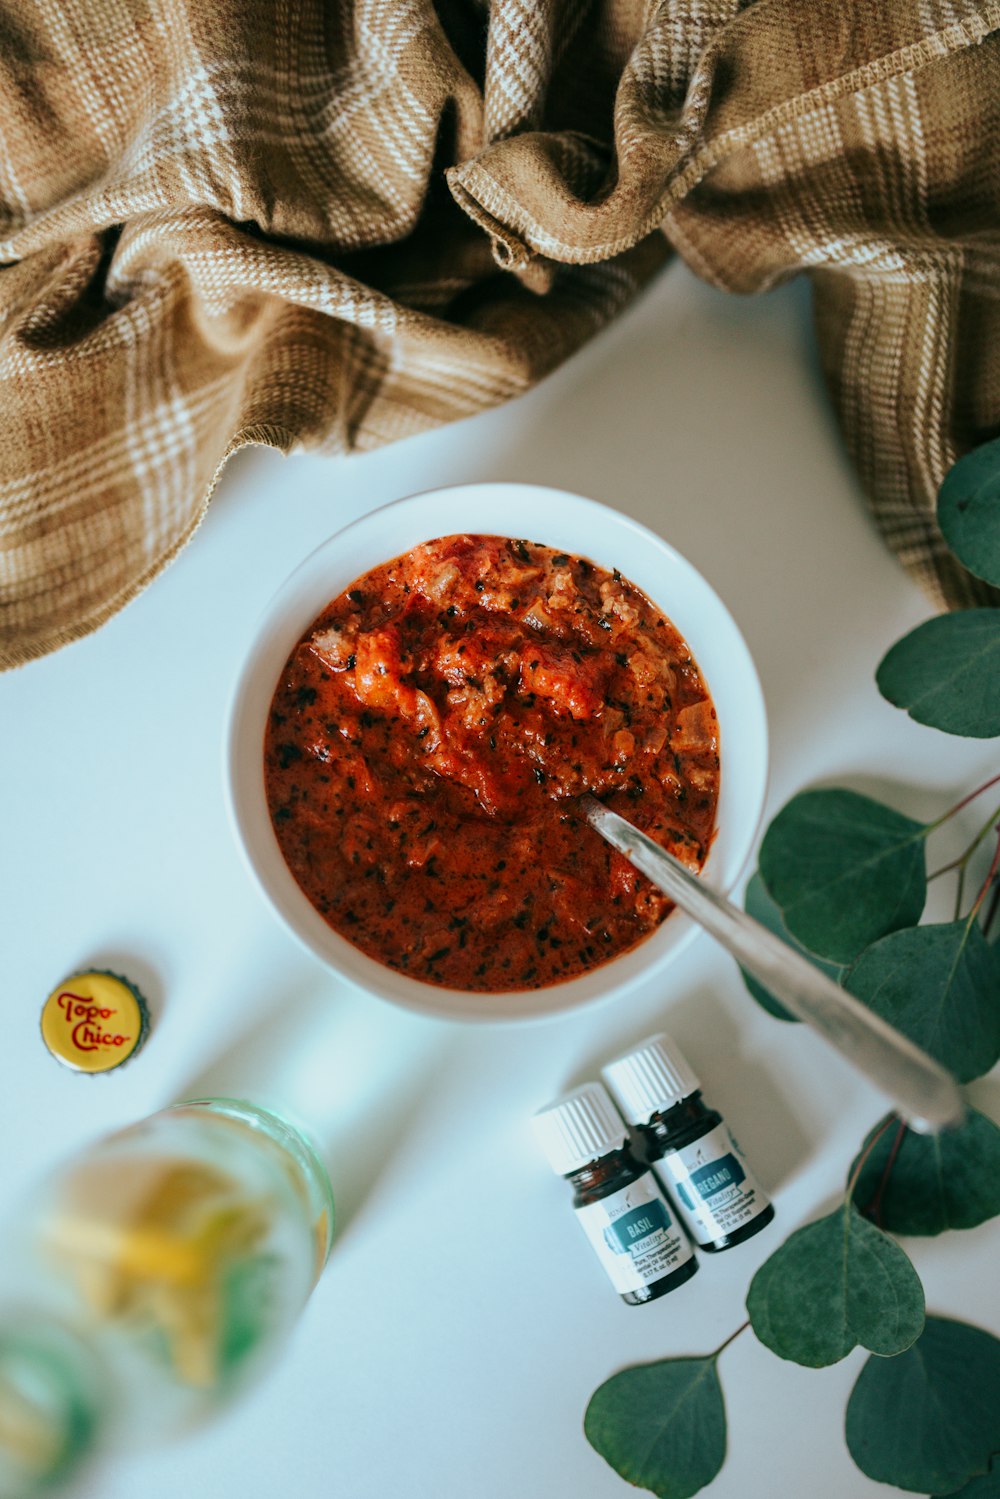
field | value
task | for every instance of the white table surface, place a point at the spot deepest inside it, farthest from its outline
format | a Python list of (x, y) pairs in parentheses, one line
[(462, 1323)]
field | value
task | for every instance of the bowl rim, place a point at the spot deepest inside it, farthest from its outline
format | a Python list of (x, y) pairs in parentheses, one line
[(273, 635)]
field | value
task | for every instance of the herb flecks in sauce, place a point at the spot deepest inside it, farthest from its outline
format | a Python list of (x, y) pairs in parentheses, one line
[(430, 734)]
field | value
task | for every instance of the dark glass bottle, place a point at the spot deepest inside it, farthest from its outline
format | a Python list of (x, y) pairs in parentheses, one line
[(689, 1146), (617, 1199)]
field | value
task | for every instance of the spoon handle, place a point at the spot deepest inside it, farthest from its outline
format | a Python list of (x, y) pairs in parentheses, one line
[(921, 1091)]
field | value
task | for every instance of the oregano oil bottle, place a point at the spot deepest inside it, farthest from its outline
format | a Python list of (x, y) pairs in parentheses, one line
[(618, 1202), (719, 1200)]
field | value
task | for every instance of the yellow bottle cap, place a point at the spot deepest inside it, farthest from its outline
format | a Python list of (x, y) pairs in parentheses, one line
[(94, 1022)]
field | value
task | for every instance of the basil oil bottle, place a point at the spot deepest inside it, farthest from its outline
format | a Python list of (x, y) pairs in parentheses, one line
[(618, 1201)]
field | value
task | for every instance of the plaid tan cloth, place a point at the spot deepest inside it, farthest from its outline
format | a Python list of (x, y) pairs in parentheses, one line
[(336, 222)]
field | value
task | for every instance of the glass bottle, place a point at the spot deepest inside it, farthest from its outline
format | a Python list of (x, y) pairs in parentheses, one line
[(617, 1200), (182, 1250), (51, 1403), (689, 1145)]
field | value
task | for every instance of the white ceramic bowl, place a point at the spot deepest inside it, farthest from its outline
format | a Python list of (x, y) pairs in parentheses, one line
[(568, 523)]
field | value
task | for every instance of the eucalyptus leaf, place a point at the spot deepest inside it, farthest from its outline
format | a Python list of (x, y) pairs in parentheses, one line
[(929, 1420), (939, 985), (758, 904), (833, 1284), (985, 1486), (946, 673), (844, 870), (661, 1426), (924, 1184), (968, 511)]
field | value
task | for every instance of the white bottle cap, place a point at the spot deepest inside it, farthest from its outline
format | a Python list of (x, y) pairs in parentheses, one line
[(651, 1079), (579, 1128)]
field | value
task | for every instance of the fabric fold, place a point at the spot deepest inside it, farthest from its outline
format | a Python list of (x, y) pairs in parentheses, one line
[(339, 223)]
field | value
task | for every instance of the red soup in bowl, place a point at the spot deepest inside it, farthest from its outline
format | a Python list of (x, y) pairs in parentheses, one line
[(429, 739)]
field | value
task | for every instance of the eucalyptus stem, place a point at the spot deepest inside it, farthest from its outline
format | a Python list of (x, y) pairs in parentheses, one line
[(731, 1339), (964, 857), (874, 1208), (990, 875), (991, 913), (865, 1153), (961, 863), (930, 826)]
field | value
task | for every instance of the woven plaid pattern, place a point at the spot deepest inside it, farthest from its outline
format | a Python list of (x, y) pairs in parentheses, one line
[(337, 222)]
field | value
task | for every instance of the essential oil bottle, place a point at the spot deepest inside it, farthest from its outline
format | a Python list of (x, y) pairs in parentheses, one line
[(617, 1200), (719, 1200)]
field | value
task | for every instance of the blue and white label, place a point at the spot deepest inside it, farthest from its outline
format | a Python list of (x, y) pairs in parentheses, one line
[(634, 1235), (715, 1190)]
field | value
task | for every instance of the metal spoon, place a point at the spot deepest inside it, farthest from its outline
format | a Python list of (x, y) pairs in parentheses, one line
[(922, 1092)]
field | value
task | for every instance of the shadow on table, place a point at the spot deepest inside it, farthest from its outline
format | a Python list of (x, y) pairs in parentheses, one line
[(352, 1073), (744, 1087)]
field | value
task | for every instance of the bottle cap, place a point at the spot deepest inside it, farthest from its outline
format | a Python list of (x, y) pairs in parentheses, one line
[(579, 1128), (651, 1078), (94, 1022)]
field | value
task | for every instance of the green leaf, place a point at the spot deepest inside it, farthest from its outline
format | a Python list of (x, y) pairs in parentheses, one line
[(661, 1426), (934, 1182), (844, 870), (946, 673), (939, 985), (986, 1486), (968, 511), (758, 904), (832, 1285), (929, 1420)]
